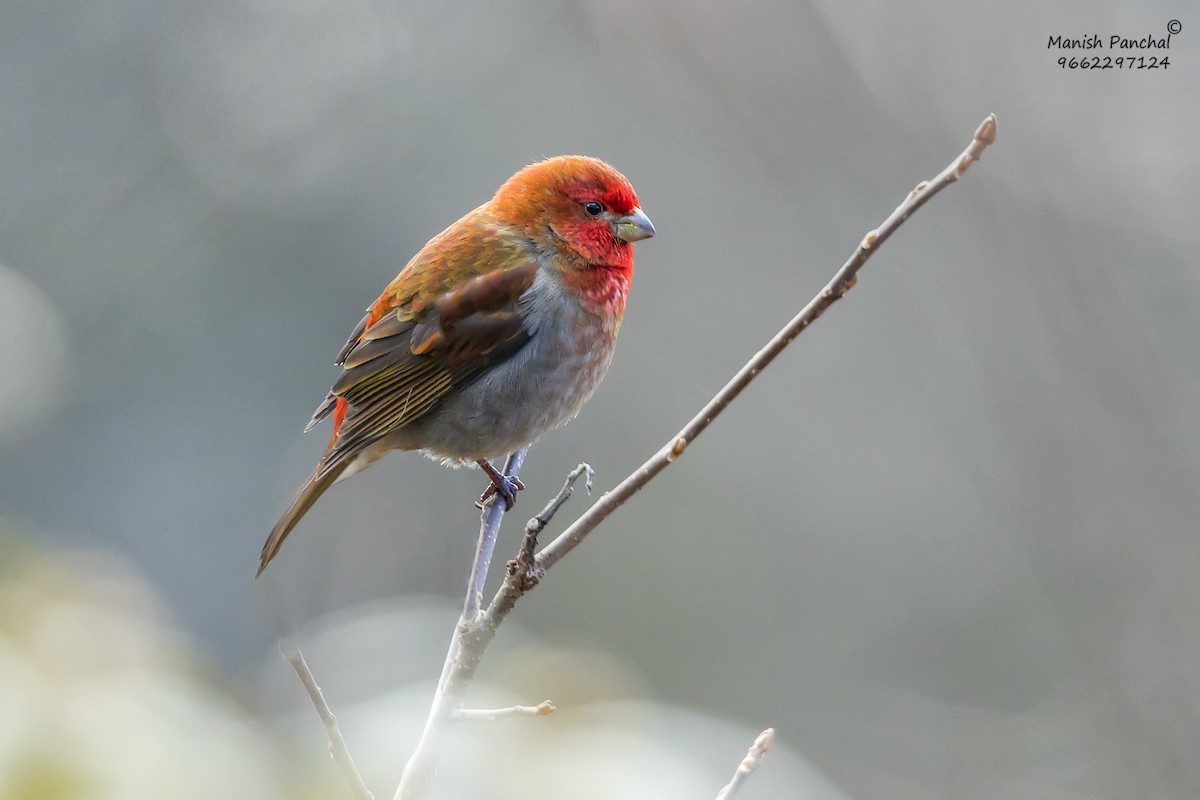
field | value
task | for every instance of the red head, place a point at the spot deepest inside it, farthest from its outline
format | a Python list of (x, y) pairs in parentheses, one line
[(579, 207)]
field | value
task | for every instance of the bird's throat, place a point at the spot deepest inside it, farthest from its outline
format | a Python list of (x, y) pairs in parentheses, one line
[(604, 290)]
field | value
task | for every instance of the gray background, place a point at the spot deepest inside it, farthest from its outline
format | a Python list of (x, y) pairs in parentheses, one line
[(947, 544)]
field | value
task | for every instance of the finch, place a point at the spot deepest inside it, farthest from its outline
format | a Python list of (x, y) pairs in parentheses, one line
[(497, 331)]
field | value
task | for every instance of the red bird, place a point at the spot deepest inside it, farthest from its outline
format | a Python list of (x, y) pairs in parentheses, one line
[(497, 331)]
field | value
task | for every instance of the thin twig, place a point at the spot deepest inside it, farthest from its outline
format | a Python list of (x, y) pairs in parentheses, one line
[(538, 523), (489, 714), (337, 744), (489, 527), (418, 772), (474, 638), (524, 567), (754, 758)]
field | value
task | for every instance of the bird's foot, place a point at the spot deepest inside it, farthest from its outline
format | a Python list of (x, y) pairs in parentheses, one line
[(502, 486)]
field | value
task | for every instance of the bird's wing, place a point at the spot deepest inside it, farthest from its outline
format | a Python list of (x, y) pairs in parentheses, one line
[(452, 313)]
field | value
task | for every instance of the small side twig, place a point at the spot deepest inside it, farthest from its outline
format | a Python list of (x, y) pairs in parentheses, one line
[(337, 744), (489, 714), (524, 567), (752, 761)]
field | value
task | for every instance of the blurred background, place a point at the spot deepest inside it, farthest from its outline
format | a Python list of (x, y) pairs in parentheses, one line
[(947, 545)]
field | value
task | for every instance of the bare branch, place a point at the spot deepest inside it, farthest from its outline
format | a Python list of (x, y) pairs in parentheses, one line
[(751, 762), (418, 772), (842, 281), (489, 714), (337, 744), (476, 631)]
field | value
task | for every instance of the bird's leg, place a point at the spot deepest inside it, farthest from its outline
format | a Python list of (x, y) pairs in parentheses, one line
[(502, 485)]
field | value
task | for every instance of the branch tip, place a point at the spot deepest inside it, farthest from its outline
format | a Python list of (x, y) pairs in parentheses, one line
[(490, 714), (985, 134), (536, 524), (752, 761)]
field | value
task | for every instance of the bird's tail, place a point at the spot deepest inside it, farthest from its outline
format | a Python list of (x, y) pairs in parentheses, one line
[(322, 479)]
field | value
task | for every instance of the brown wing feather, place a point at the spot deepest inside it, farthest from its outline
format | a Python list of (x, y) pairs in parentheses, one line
[(397, 374), (355, 336), (490, 292), (390, 324), (330, 402)]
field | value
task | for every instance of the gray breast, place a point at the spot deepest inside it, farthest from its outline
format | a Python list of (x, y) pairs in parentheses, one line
[(540, 388)]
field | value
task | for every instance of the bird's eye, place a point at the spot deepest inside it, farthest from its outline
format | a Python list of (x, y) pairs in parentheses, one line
[(593, 208)]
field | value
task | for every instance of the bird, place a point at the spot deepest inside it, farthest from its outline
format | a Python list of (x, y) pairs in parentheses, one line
[(498, 330)]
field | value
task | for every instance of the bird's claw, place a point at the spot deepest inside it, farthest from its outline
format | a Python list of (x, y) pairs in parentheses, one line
[(505, 488)]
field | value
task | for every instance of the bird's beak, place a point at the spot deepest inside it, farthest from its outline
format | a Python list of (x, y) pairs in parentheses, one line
[(635, 227)]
